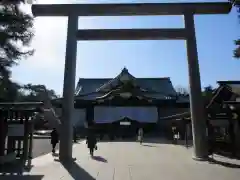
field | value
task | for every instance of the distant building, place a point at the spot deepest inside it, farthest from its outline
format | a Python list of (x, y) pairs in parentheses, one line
[(125, 102)]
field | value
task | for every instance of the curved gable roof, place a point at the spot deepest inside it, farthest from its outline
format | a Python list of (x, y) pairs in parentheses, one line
[(159, 85)]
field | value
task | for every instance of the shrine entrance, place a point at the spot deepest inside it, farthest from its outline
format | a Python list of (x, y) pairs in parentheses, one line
[(188, 10), (117, 130), (128, 128)]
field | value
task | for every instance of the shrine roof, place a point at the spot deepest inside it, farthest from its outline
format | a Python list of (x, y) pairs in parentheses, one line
[(234, 85), (97, 85)]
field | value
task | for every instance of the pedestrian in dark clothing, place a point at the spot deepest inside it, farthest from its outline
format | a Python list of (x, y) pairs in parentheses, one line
[(74, 134), (174, 135), (54, 139), (211, 139), (91, 142), (232, 138), (140, 135)]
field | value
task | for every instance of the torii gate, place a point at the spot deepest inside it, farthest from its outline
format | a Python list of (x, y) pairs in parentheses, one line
[(72, 11)]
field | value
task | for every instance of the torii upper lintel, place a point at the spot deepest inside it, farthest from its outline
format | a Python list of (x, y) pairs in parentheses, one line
[(130, 9)]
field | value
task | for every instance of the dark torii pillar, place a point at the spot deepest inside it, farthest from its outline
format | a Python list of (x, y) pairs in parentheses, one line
[(198, 115), (66, 132), (187, 33)]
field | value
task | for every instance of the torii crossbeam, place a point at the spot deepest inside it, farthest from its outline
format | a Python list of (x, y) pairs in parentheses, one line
[(187, 33)]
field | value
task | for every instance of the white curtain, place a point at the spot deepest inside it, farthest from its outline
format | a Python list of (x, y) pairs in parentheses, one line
[(111, 114)]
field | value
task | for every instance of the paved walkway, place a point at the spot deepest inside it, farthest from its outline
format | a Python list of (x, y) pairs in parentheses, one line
[(132, 161)]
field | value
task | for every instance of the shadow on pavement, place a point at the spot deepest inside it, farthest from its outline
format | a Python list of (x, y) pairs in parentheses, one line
[(225, 164), (55, 154), (167, 141), (14, 168), (227, 155), (118, 140), (75, 170), (100, 159), (79, 141), (16, 171), (153, 140), (21, 177), (148, 145), (149, 142)]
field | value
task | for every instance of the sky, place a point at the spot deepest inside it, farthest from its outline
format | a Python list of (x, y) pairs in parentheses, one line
[(98, 59)]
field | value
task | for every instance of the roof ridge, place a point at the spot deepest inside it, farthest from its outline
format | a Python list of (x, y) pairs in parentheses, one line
[(232, 82), (135, 77)]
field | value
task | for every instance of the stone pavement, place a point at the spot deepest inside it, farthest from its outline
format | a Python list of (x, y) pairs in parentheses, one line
[(132, 161)]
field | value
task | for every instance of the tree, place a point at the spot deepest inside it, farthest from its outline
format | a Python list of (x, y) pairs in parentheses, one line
[(15, 37), (36, 93), (237, 50), (236, 3), (181, 91), (207, 93), (9, 91)]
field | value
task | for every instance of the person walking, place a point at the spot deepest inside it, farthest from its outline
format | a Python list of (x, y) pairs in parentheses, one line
[(54, 139), (211, 139), (175, 134), (74, 135), (140, 135), (91, 142)]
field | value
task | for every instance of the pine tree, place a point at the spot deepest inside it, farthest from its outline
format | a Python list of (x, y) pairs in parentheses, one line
[(15, 36)]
